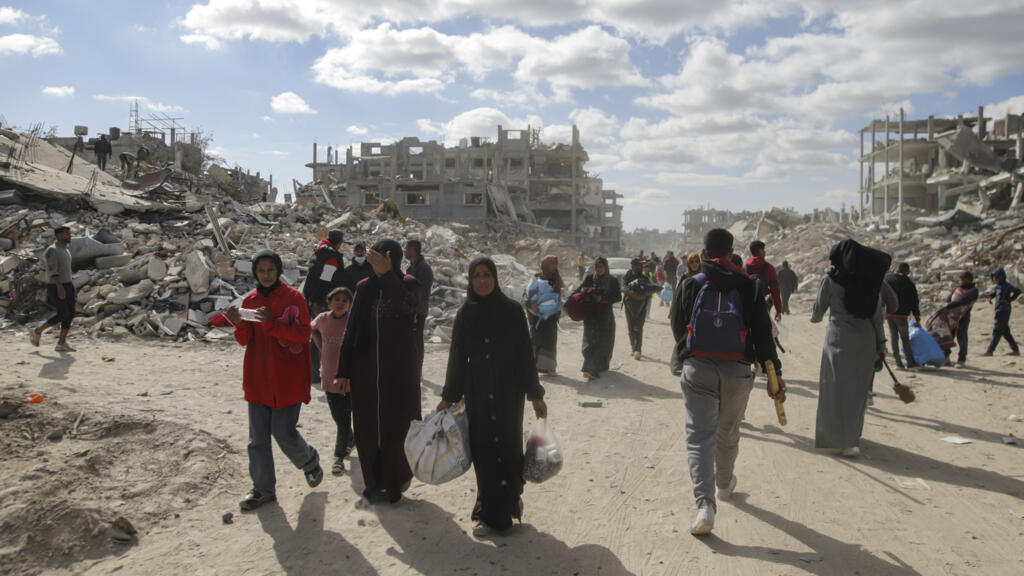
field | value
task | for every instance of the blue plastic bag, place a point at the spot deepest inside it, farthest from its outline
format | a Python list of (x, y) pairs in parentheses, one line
[(537, 288), (925, 348), (666, 293)]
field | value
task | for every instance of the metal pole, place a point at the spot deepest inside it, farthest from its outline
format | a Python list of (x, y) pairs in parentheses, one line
[(860, 194), (575, 141), (899, 217), (885, 178)]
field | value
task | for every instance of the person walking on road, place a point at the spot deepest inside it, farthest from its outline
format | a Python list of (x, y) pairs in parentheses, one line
[(544, 332), (358, 269), (726, 327), (60, 291), (1004, 294), (636, 304), (959, 302), (849, 293), (491, 365), (907, 303), (326, 272), (275, 377), (328, 333), (599, 326), (378, 364), (756, 265)]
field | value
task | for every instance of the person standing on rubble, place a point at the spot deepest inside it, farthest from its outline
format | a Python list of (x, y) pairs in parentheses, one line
[(326, 272), (1004, 294), (599, 325), (420, 269), (358, 269), (788, 284), (544, 332), (60, 291), (103, 151), (275, 377), (723, 323), (491, 365), (907, 303), (378, 361), (756, 265), (850, 294)]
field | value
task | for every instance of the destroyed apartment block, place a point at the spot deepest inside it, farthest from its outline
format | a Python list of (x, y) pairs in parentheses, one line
[(939, 164), (515, 179)]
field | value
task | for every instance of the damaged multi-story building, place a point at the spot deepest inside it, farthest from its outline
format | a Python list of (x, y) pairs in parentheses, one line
[(516, 178), (932, 164)]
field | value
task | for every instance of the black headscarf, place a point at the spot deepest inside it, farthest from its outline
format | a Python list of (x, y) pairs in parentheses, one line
[(860, 270), (604, 261), (385, 246), (266, 290), (495, 294)]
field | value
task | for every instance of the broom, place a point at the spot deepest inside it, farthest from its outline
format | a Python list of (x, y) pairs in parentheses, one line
[(901, 390)]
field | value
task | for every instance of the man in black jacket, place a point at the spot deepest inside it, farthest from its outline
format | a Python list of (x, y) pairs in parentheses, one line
[(103, 151), (420, 269), (899, 330), (326, 272), (716, 390)]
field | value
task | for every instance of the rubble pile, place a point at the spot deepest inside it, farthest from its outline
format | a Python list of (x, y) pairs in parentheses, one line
[(938, 249), (171, 274)]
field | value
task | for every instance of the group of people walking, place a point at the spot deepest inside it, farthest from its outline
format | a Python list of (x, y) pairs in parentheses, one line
[(366, 323)]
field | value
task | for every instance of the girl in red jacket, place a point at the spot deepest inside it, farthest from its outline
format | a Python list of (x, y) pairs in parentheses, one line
[(274, 327)]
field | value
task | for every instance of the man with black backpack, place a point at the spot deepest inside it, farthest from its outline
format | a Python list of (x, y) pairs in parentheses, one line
[(726, 327), (326, 272)]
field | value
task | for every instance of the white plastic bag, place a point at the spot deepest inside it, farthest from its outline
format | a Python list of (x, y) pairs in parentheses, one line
[(543, 459), (437, 447)]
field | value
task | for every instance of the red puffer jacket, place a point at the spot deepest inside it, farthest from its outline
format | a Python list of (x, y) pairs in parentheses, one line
[(276, 371)]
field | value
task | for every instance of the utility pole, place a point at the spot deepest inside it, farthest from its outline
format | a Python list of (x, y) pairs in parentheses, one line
[(575, 143), (899, 217)]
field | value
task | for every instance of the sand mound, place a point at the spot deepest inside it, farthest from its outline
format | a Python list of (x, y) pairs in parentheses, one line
[(77, 495)]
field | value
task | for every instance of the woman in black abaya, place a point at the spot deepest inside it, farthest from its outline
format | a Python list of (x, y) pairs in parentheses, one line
[(491, 365)]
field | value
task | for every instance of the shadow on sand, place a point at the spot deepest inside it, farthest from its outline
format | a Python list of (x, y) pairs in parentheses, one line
[(899, 462), (308, 548), (614, 385), (828, 556), (57, 367), (430, 541)]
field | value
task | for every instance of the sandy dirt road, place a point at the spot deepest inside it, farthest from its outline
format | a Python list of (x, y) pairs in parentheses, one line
[(911, 504)]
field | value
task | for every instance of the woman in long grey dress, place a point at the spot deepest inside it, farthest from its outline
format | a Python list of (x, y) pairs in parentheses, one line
[(849, 293)]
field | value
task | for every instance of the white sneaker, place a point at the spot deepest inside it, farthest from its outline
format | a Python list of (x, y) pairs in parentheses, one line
[(636, 355), (33, 337), (704, 523), (65, 347), (851, 452), (588, 376), (726, 493)]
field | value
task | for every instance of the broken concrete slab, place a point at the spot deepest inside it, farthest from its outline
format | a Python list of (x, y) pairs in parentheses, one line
[(198, 271), (113, 261), (132, 294), (156, 269)]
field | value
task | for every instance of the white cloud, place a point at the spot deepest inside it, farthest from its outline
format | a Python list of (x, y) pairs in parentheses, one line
[(387, 60), (481, 122), (28, 44), (356, 130), (1014, 105), (58, 91), (10, 15), (144, 102), (290, 103)]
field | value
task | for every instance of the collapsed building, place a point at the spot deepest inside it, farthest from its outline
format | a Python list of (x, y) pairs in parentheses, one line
[(517, 179), (935, 164)]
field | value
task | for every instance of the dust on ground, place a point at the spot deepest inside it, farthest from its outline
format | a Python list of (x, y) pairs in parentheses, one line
[(168, 455)]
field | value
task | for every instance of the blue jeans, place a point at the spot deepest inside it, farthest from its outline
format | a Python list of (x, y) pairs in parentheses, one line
[(716, 393), (264, 423)]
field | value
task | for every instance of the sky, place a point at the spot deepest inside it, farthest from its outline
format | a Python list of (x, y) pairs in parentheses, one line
[(733, 104)]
